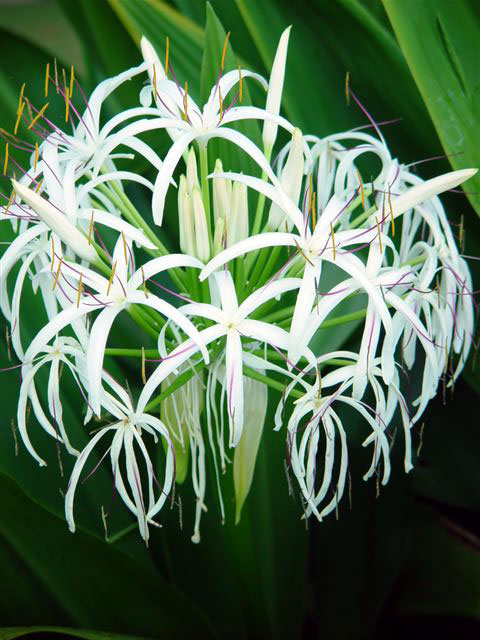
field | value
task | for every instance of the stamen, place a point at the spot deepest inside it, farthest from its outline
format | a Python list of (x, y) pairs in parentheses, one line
[(19, 117), (90, 229), (185, 101), (38, 116), (144, 377), (39, 186), (461, 235), (303, 253), (347, 88), (391, 212), (240, 81), (80, 289), (20, 98), (112, 275), (58, 273), (10, 200), (67, 104), (362, 191), (56, 73), (379, 234), (47, 76), (5, 164), (125, 248), (53, 253), (314, 211), (224, 52), (220, 100), (167, 52), (144, 285), (36, 157), (333, 241), (72, 79)]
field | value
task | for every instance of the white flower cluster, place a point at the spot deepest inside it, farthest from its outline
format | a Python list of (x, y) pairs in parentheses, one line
[(240, 302)]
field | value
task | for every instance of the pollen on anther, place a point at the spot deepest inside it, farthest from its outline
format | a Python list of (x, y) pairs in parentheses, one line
[(58, 273), (36, 157), (112, 275), (38, 116), (333, 241), (224, 52), (379, 234), (167, 53), (240, 84), (5, 164), (19, 117), (90, 229), (47, 76), (80, 289)]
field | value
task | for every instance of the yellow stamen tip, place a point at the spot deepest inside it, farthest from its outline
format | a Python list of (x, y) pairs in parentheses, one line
[(224, 52)]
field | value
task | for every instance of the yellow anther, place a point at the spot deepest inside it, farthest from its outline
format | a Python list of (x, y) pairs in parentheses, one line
[(144, 285), (58, 273), (362, 190), (124, 248), (53, 253), (333, 241), (10, 200), (185, 101), (67, 104), (379, 234), (112, 275), (220, 100), (35, 162), (5, 164), (167, 53), (224, 52), (347, 88), (391, 213), (56, 73), (314, 210), (303, 253), (80, 289), (38, 116), (39, 186), (19, 117), (20, 98), (47, 77), (144, 377), (72, 80), (90, 229), (155, 82), (240, 83)]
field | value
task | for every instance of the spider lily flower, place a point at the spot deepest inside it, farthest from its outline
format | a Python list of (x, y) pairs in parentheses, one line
[(112, 297), (64, 351), (57, 222), (274, 94), (322, 244), (127, 432), (231, 320)]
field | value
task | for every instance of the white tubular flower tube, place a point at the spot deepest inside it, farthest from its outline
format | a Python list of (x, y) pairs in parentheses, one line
[(275, 88), (222, 194), (202, 242), (291, 181), (57, 222)]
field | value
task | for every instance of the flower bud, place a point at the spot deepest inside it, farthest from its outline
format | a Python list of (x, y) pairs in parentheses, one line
[(192, 173), (237, 222), (185, 219), (222, 194), (219, 236), (202, 241), (255, 408), (58, 222), (291, 181), (274, 94)]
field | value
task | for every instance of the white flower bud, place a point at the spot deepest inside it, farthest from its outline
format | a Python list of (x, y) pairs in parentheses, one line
[(274, 94), (202, 241), (58, 222), (219, 236), (291, 181), (222, 194), (237, 222), (185, 219), (192, 173)]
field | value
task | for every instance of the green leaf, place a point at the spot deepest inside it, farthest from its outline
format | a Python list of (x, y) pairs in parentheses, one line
[(63, 632), (440, 42), (79, 579)]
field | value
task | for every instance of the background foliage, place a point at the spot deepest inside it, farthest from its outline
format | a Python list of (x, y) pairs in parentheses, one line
[(404, 561)]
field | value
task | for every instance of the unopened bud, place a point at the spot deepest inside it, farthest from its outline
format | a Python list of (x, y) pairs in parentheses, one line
[(192, 173), (185, 219), (291, 181), (222, 194), (202, 242), (58, 222), (237, 223)]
